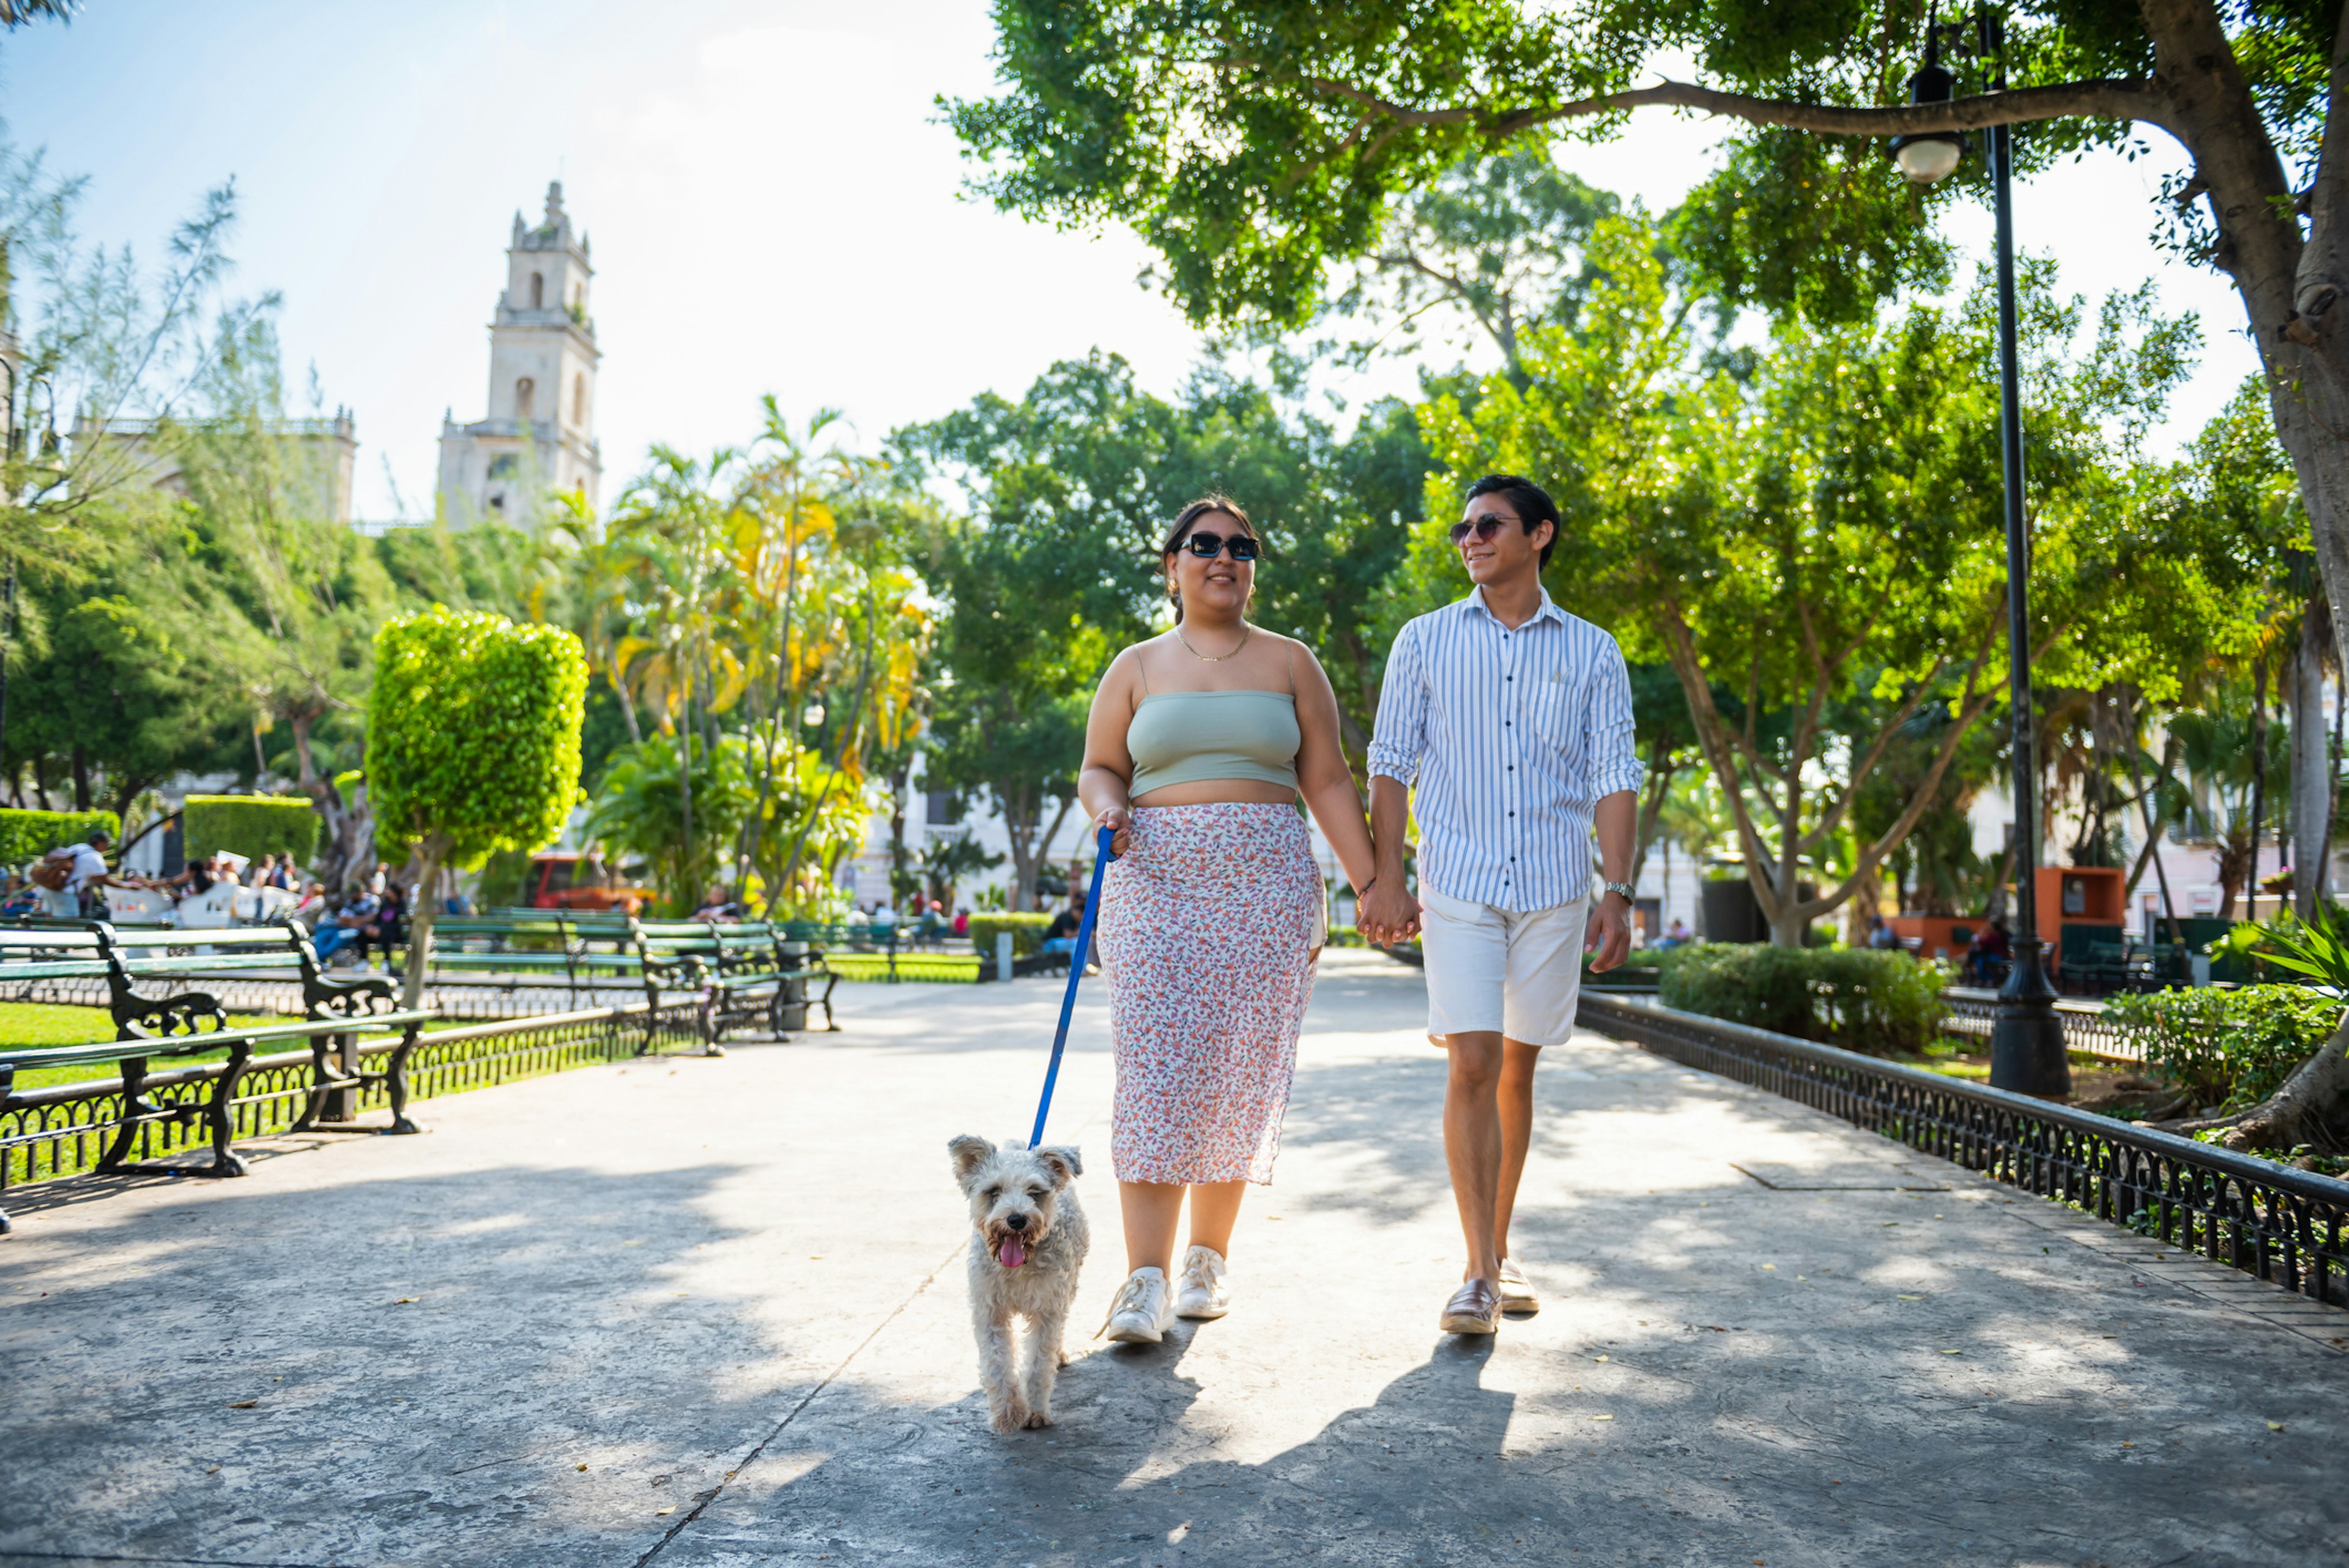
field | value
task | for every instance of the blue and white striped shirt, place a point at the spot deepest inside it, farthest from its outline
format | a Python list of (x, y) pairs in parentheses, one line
[(1511, 738)]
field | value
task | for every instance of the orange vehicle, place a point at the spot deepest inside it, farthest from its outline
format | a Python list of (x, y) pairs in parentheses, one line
[(562, 879)]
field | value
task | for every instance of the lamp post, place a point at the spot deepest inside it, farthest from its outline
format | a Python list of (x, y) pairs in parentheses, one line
[(2026, 1051)]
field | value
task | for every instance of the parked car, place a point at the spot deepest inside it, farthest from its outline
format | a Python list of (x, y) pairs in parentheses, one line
[(563, 880)]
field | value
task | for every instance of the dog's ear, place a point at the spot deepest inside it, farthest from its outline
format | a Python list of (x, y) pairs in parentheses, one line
[(970, 1151), (1064, 1163)]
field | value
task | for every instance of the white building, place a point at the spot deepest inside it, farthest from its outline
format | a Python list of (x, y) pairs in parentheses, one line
[(317, 457), (540, 432)]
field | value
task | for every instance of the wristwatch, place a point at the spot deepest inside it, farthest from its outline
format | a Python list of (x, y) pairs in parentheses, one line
[(1630, 894)]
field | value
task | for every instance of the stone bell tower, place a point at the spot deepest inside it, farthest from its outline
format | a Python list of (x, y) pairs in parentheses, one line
[(540, 433)]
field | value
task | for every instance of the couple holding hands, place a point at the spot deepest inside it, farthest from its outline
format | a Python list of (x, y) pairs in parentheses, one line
[(1512, 721)]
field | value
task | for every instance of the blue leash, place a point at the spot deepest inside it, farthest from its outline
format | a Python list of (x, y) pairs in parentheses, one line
[(1102, 858)]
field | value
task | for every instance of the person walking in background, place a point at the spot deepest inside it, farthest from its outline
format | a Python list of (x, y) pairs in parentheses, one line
[(1513, 720), (1199, 744)]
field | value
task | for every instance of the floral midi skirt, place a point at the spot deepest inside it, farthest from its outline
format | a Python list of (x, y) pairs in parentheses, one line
[(1208, 925)]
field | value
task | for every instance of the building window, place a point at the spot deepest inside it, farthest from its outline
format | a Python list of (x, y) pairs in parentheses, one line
[(503, 465), (579, 399), (538, 291), (525, 393), (942, 809)]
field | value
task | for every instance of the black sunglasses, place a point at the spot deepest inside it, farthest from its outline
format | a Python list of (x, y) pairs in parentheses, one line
[(1208, 546), (1484, 527)]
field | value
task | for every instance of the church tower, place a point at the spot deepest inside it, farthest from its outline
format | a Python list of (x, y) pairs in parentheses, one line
[(540, 433)]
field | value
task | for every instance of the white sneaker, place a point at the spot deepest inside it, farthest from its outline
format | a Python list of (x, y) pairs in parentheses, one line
[(1201, 1293), (1142, 1312)]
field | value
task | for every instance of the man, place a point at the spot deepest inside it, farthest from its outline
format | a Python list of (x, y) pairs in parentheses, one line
[(80, 901), (1513, 720), (354, 922)]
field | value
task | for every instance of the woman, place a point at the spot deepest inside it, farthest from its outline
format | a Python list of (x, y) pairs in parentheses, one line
[(1201, 742)]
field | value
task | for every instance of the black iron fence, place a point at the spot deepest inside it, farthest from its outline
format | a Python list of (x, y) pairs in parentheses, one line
[(2087, 1028), (66, 1129), (2287, 1226)]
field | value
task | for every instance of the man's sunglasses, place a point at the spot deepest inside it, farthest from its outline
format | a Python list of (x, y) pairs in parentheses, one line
[(1208, 546), (1484, 527)]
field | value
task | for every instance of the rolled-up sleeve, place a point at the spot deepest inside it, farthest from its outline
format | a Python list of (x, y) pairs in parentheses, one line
[(1400, 735), (1613, 757)]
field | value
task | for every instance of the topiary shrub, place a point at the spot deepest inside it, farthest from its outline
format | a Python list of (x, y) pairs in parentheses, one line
[(1027, 932), (26, 836), (252, 825), (1882, 1003), (2227, 1047)]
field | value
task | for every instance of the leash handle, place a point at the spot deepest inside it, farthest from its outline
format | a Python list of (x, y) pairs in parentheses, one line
[(1101, 857)]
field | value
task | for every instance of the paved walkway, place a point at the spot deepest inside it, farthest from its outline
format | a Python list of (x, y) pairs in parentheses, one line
[(701, 1312)]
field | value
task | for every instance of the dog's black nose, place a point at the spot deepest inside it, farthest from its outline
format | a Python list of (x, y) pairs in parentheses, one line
[(1015, 1222)]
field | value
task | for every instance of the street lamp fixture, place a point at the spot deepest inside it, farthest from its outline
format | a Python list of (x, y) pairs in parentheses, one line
[(812, 715), (2026, 1049)]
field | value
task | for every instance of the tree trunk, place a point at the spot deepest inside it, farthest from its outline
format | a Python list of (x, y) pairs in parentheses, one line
[(423, 906), (2312, 766), (80, 779), (2259, 776), (1663, 769), (1019, 829)]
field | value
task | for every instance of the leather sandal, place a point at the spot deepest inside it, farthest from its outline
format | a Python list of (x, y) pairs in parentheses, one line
[(1475, 1308)]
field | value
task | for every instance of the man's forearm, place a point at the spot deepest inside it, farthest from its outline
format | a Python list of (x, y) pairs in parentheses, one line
[(1617, 818)]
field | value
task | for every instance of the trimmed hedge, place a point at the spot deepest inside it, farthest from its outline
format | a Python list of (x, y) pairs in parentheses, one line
[(252, 825), (2230, 1048), (1879, 1003), (26, 836), (1027, 932)]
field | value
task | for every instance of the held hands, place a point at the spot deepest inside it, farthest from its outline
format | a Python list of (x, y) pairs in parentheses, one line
[(1385, 914), (1609, 933), (1119, 822)]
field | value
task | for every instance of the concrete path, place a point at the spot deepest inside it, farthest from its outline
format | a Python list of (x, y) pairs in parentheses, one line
[(698, 1313)]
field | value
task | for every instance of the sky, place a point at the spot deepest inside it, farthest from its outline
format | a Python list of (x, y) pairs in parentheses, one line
[(773, 204)]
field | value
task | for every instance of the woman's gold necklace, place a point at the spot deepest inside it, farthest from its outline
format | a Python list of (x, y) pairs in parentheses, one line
[(1246, 631)]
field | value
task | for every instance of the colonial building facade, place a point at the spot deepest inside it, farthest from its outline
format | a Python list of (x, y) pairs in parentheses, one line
[(540, 432)]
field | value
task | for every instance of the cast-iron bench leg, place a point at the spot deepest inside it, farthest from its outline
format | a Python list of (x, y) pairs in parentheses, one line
[(395, 1081), (135, 1111), (225, 1161)]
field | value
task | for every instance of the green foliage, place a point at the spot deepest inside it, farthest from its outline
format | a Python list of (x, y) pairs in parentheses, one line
[(639, 811), (26, 836), (1027, 932), (1252, 143), (249, 825), (472, 734), (1884, 1004), (2227, 1047)]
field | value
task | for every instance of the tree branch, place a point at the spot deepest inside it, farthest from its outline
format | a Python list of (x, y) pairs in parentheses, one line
[(2105, 100)]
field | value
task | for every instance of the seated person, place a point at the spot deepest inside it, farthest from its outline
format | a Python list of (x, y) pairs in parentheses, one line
[(349, 926), (1060, 936)]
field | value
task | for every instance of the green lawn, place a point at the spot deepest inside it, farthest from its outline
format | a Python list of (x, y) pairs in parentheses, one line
[(58, 1024)]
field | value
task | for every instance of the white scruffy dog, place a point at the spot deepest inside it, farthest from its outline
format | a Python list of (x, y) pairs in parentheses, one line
[(1028, 1241)]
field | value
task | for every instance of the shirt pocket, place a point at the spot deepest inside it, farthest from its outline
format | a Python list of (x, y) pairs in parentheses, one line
[(1556, 704)]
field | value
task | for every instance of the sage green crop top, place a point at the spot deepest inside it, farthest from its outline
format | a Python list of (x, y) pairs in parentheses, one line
[(1182, 737)]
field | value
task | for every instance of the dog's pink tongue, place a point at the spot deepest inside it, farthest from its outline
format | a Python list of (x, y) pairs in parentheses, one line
[(1011, 1252)]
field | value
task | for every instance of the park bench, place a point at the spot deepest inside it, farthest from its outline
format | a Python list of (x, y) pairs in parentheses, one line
[(157, 1027), (744, 971), (530, 947)]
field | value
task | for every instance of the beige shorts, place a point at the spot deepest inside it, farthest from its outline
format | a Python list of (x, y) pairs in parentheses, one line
[(1517, 972)]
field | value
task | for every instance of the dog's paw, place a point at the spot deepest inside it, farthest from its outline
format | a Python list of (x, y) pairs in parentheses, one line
[(1010, 1418), (1038, 1419)]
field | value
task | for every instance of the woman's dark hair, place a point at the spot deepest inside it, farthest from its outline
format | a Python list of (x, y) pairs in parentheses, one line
[(1184, 521), (1529, 500)]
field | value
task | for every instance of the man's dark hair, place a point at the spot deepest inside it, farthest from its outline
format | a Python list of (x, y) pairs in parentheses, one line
[(100, 836), (1529, 500)]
